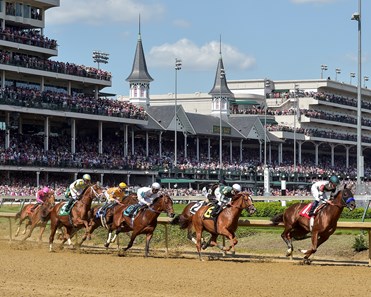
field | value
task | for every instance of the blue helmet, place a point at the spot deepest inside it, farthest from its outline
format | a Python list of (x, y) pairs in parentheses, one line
[(335, 180)]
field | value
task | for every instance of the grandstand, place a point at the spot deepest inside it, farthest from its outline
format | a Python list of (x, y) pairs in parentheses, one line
[(56, 123)]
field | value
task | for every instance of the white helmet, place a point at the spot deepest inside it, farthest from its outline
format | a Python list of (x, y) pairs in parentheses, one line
[(156, 186), (236, 187)]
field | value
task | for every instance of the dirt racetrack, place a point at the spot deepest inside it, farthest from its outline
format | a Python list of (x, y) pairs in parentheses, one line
[(31, 270)]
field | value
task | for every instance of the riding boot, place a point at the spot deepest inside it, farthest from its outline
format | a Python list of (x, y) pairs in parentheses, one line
[(215, 210), (34, 207), (313, 208), (70, 202)]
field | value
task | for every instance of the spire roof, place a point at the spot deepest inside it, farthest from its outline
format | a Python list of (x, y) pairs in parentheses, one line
[(220, 83), (139, 71)]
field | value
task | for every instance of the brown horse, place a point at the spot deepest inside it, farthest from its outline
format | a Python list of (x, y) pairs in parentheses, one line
[(38, 217), (97, 220), (225, 223), (145, 221), (325, 222), (78, 216), (185, 220)]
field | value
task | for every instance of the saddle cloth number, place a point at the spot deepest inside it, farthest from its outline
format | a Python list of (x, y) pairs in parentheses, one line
[(196, 207), (208, 212)]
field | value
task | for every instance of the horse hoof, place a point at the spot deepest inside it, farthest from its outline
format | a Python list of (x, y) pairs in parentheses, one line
[(307, 261), (106, 245)]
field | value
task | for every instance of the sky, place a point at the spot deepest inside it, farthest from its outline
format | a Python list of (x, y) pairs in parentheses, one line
[(274, 39)]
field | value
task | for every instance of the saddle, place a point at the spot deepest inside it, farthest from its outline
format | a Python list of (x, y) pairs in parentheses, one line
[(62, 210), (132, 210), (196, 207), (305, 211)]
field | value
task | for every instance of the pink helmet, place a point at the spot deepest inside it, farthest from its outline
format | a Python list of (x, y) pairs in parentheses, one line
[(46, 190)]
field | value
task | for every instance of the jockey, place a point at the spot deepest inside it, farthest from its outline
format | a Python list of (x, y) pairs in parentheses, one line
[(41, 196), (114, 196), (146, 195), (320, 190), (223, 196), (76, 189)]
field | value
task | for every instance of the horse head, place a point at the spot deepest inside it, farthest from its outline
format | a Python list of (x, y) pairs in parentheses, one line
[(347, 198), (96, 191), (164, 203), (243, 200)]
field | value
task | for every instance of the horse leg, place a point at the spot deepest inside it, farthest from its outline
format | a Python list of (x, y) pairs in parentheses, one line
[(32, 226), (109, 236), (148, 240), (42, 229), (53, 229), (286, 236), (132, 238), (19, 226)]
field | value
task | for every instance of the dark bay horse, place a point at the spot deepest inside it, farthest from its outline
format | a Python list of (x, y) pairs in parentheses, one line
[(145, 221), (325, 222), (226, 222), (38, 217), (106, 220), (78, 217)]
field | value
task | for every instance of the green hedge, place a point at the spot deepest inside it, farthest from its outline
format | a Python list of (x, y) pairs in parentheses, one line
[(270, 209)]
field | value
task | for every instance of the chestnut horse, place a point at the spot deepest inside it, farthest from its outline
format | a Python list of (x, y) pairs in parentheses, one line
[(97, 220), (185, 220), (225, 223), (144, 222), (38, 217), (78, 216), (325, 222)]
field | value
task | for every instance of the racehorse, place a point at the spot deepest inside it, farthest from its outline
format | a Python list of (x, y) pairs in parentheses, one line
[(105, 220), (78, 216), (38, 217), (144, 222), (185, 220), (225, 223), (325, 222)]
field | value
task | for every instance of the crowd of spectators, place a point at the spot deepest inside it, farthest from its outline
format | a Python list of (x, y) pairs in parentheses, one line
[(22, 60), (59, 100), (29, 37)]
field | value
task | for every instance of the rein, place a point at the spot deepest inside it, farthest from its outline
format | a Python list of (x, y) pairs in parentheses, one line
[(96, 195)]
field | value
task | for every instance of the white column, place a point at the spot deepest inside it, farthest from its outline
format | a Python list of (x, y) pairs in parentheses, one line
[(185, 145), (46, 134), (332, 154), (316, 153), (7, 130), (160, 144), (197, 148), (230, 151), (126, 140), (347, 148), (147, 143), (73, 136), (241, 150), (100, 137)]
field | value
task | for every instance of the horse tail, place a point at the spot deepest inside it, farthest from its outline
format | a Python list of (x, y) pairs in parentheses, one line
[(18, 215), (184, 221), (277, 219), (175, 220)]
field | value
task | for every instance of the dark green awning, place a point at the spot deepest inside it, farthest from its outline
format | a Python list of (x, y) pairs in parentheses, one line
[(176, 180), (269, 121), (246, 102)]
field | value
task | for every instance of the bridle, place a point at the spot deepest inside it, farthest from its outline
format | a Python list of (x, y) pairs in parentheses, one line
[(242, 196)]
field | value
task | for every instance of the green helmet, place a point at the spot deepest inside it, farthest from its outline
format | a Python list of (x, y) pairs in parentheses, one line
[(335, 180)]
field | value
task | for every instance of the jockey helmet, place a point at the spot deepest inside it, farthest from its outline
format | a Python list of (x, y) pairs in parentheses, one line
[(335, 180), (122, 185), (236, 188), (86, 177), (46, 190), (156, 186)]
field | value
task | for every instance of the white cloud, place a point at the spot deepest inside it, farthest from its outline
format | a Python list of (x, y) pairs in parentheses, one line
[(198, 58), (102, 11)]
